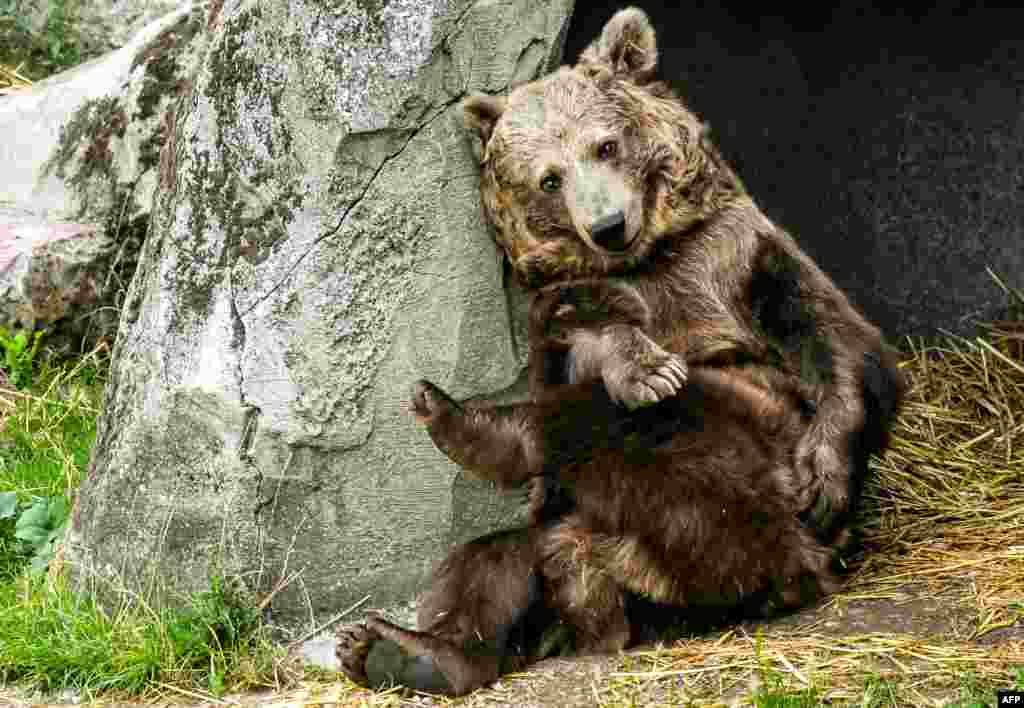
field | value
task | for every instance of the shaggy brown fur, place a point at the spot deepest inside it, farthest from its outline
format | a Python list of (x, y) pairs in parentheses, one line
[(692, 522), (689, 503), (758, 390), (596, 172)]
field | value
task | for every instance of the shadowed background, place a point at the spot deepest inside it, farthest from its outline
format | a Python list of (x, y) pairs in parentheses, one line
[(889, 141)]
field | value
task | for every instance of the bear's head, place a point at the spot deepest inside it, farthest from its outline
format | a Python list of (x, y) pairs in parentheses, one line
[(586, 170)]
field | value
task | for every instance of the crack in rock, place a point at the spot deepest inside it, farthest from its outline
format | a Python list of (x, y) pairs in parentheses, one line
[(356, 202)]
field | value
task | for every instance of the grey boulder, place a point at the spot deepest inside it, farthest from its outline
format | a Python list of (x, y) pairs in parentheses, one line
[(316, 246)]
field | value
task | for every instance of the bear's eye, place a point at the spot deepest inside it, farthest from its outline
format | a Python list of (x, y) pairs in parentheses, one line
[(551, 183), (608, 149)]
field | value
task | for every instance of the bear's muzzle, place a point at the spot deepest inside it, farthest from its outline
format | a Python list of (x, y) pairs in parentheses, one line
[(609, 232)]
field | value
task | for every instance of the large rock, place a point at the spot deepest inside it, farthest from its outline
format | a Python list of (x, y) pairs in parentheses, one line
[(87, 147), (316, 246), (89, 138)]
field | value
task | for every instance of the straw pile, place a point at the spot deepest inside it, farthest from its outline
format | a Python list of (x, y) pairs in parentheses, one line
[(11, 80), (948, 501)]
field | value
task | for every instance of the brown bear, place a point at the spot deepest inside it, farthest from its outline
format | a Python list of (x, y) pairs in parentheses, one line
[(758, 390), (687, 503), (597, 171)]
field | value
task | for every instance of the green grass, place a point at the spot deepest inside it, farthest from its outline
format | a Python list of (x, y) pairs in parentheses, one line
[(879, 693), (807, 698), (46, 435), (46, 450), (53, 638), (40, 52), (773, 692)]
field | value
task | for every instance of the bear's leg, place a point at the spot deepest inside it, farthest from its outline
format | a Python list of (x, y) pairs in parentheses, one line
[(498, 443), (882, 390), (483, 615), (592, 575), (399, 657), (581, 588), (834, 349), (508, 444), (636, 371), (376, 659)]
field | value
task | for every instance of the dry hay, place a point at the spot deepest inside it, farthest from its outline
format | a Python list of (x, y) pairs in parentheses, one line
[(11, 80), (948, 500), (841, 670)]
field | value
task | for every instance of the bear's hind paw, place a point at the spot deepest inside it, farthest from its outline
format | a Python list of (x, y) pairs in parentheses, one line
[(353, 645)]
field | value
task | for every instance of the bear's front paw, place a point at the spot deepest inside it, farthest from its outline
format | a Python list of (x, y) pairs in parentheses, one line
[(429, 404), (645, 378), (824, 483)]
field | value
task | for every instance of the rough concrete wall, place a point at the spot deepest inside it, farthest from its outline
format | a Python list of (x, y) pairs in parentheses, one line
[(316, 246), (889, 141)]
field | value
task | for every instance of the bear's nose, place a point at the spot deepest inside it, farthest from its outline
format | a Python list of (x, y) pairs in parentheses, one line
[(610, 232)]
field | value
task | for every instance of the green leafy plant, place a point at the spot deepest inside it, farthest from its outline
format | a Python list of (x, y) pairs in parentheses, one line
[(20, 352), (39, 51), (11, 560), (40, 527), (45, 442), (10, 16), (37, 529)]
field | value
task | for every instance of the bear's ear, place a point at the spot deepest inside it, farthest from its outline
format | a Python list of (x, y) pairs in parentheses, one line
[(627, 47), (481, 112)]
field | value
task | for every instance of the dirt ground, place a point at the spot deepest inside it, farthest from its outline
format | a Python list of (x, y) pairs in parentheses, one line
[(899, 632)]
